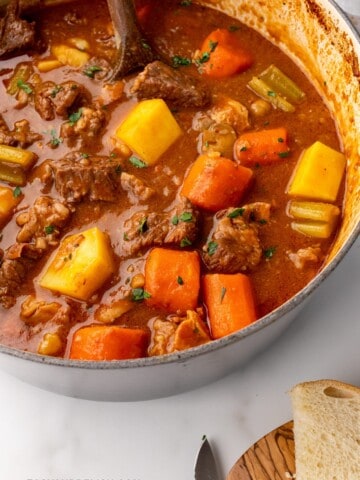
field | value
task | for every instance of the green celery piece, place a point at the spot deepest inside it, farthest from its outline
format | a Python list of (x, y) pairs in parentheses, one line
[(282, 84), (264, 91)]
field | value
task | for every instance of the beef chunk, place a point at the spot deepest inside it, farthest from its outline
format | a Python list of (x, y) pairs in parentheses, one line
[(94, 178), (304, 257), (15, 34), (21, 136), (84, 124), (178, 333), (145, 229), (51, 99), (135, 187), (42, 221), (15, 264), (158, 80), (233, 245)]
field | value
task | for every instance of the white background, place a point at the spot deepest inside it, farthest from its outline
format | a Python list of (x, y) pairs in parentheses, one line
[(49, 437)]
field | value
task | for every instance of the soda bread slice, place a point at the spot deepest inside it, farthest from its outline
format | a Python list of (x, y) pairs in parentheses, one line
[(326, 430)]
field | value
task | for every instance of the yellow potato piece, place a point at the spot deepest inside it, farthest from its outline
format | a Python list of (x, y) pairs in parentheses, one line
[(48, 65), (149, 130), (81, 265), (7, 204), (318, 174), (70, 56)]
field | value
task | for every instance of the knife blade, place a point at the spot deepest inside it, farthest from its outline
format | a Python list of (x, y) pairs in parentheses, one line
[(205, 467)]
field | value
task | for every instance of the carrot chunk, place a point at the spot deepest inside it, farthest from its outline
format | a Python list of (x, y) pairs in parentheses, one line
[(172, 279), (263, 146), (230, 302), (222, 55), (214, 183), (100, 342)]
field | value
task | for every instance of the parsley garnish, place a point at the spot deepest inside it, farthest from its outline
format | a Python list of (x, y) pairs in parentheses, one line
[(269, 252), (180, 281), (271, 93), (212, 45), (24, 86), (91, 70), (84, 155), (17, 192), (223, 292), (211, 248), (139, 294), (137, 162), (233, 28), (185, 242), (145, 45), (186, 217), (55, 91), (204, 57), (237, 212), (284, 154), (185, 3), (55, 141), (74, 117), (280, 140), (143, 225), (49, 229), (178, 61)]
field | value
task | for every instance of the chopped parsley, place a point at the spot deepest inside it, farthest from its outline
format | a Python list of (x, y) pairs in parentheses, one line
[(212, 45), (145, 45), (184, 217), (284, 154), (136, 162), (223, 293), (269, 252), (204, 57), (185, 242), (237, 212), (233, 28), (75, 116), (178, 61), (49, 229), (55, 141), (185, 3), (91, 70), (211, 248), (126, 237), (271, 93), (55, 91), (84, 155), (280, 140), (143, 225), (262, 221), (24, 86), (17, 192), (180, 281), (139, 294)]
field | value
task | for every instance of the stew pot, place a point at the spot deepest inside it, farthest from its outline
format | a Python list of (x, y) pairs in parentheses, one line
[(320, 39)]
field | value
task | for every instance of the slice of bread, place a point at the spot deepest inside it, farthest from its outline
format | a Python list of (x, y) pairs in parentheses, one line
[(326, 430)]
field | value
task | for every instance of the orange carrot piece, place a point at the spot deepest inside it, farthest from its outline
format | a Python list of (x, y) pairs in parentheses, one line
[(214, 183), (230, 302), (263, 146), (222, 55), (172, 278), (100, 342)]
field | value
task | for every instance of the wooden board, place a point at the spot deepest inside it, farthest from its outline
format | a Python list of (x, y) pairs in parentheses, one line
[(270, 458)]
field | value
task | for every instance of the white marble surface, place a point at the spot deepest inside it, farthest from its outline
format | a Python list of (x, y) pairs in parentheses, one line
[(49, 437), (44, 436)]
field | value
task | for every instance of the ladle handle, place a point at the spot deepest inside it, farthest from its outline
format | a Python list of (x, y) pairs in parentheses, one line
[(134, 51)]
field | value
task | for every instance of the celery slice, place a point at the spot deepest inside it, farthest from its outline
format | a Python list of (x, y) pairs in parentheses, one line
[(316, 211), (263, 90), (15, 176), (19, 156), (282, 84), (21, 73), (314, 229)]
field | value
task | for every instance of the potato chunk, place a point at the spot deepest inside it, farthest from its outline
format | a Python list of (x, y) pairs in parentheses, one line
[(149, 129), (318, 174), (70, 56), (82, 263)]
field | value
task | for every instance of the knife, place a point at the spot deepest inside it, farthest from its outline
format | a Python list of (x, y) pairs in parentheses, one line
[(205, 467)]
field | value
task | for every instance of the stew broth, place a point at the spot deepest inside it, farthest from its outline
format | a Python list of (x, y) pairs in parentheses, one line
[(174, 29)]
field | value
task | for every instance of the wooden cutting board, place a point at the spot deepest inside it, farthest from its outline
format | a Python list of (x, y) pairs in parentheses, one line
[(270, 458)]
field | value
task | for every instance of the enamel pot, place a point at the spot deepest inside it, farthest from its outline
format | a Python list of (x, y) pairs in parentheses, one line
[(321, 40)]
